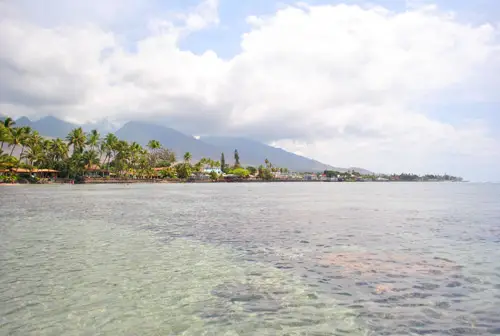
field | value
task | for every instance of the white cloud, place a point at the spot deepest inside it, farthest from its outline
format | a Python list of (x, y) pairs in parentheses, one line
[(339, 83)]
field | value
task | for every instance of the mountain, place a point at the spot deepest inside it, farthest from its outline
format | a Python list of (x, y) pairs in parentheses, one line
[(48, 126), (251, 152), (179, 142), (254, 153)]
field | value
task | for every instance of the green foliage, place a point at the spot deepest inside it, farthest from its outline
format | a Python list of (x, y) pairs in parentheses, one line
[(222, 163), (265, 173), (168, 173), (252, 170), (8, 178), (214, 176), (241, 172), (184, 170), (77, 139), (236, 159)]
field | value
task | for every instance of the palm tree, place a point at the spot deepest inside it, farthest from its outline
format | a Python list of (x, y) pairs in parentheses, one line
[(58, 150), (110, 142), (93, 139), (153, 145), (77, 139), (5, 131), (90, 158), (236, 159), (25, 138), (4, 135), (187, 157), (16, 136)]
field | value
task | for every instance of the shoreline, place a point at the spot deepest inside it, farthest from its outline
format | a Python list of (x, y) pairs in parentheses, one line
[(141, 181)]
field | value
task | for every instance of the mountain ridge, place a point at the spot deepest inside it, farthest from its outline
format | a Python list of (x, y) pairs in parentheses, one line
[(251, 152)]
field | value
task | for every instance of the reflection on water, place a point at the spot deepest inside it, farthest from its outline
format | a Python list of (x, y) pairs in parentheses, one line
[(301, 259)]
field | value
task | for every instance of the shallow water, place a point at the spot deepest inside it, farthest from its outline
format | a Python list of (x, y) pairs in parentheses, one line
[(256, 259)]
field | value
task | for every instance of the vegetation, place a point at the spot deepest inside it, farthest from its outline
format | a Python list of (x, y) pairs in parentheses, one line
[(83, 154)]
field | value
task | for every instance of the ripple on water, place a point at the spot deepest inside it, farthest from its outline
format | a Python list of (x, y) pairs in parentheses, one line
[(210, 259)]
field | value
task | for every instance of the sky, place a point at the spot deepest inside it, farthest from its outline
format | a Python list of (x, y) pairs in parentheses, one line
[(387, 85)]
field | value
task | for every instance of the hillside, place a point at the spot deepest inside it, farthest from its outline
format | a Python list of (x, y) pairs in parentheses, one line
[(251, 152), (254, 153), (178, 142)]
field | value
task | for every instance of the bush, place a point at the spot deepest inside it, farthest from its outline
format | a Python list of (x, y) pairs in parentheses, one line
[(214, 176), (241, 172)]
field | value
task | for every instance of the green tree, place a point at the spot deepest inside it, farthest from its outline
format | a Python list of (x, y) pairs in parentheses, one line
[(93, 139), (236, 159), (16, 137), (77, 139), (108, 148), (25, 138), (222, 163), (214, 176), (241, 172), (5, 130), (252, 170), (184, 170), (154, 145), (187, 157)]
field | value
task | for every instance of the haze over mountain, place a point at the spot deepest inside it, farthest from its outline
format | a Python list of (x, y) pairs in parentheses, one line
[(251, 152)]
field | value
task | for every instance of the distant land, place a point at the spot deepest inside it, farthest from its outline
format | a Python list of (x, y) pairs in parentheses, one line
[(252, 152)]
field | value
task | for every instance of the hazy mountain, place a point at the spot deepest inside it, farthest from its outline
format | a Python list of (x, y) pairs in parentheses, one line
[(48, 126), (251, 152), (255, 153), (178, 142)]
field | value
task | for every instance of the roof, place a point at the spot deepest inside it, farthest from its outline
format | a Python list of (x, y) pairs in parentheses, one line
[(161, 168), (92, 167), (27, 170)]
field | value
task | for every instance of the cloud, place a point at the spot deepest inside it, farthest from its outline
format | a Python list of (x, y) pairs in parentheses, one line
[(340, 83)]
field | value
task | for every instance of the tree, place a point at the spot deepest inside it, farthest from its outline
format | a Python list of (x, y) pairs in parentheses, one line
[(93, 139), (222, 163), (77, 139), (169, 172), (252, 170), (187, 157), (162, 157), (4, 136), (236, 159), (265, 173), (154, 145), (184, 170), (214, 176), (16, 137), (5, 129), (108, 147), (24, 138), (241, 172)]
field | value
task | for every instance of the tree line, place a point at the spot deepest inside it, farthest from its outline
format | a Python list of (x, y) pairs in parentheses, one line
[(81, 152)]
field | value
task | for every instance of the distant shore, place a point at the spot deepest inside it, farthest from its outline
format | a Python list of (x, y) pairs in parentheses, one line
[(172, 181)]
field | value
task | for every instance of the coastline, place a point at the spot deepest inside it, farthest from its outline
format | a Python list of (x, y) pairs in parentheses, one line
[(146, 181)]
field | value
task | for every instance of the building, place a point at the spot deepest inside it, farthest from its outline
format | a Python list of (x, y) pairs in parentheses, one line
[(32, 172), (210, 170)]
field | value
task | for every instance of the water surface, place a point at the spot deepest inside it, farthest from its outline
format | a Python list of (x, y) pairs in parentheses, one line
[(256, 259)]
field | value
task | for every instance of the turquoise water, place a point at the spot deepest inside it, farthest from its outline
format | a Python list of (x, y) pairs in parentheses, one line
[(257, 259)]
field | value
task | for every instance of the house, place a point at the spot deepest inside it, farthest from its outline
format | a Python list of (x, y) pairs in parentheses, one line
[(210, 170), (310, 177), (95, 171), (33, 172)]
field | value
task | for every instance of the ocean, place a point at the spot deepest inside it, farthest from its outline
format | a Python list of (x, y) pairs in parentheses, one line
[(250, 259)]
